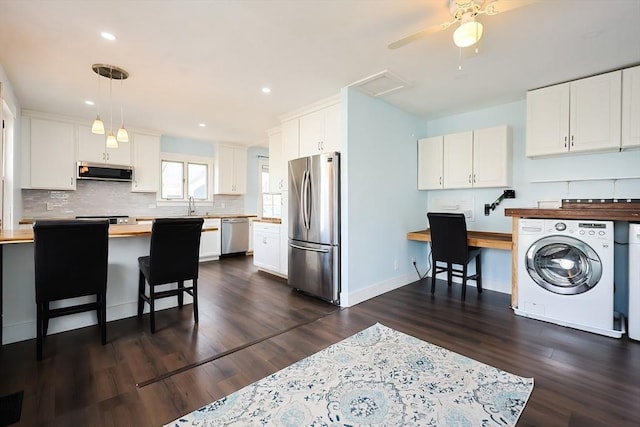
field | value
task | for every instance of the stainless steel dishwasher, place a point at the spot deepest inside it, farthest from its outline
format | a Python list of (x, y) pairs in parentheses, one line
[(235, 235)]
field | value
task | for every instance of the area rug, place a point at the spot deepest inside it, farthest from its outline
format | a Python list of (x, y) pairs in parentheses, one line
[(378, 376)]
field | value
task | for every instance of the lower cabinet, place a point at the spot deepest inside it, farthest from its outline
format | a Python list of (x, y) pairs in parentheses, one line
[(266, 246), (210, 248)]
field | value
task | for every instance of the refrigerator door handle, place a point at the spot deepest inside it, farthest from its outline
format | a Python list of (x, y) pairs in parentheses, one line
[(303, 199), (307, 202), (308, 249)]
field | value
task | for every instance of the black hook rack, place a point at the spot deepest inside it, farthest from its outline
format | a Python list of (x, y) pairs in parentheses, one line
[(507, 194)]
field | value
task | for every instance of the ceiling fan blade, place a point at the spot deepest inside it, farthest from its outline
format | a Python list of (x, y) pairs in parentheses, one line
[(500, 6), (420, 34)]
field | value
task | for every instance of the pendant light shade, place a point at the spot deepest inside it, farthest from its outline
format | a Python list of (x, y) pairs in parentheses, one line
[(468, 33), (112, 142), (98, 126), (122, 135)]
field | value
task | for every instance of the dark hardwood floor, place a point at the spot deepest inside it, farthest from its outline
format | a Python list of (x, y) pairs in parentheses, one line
[(581, 379)]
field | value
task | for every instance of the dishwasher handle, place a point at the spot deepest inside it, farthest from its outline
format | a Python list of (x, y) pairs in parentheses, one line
[(235, 220)]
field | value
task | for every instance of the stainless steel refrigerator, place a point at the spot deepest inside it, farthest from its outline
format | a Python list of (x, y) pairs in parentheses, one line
[(314, 225)]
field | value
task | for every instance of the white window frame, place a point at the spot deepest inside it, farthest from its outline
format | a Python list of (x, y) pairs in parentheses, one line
[(185, 159)]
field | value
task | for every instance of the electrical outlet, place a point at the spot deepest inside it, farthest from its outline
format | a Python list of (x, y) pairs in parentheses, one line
[(222, 205), (396, 265), (49, 206)]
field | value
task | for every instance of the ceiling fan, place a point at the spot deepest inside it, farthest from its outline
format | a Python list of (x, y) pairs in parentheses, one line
[(465, 12)]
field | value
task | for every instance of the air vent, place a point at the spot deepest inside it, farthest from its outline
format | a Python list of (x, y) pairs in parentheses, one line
[(379, 84)]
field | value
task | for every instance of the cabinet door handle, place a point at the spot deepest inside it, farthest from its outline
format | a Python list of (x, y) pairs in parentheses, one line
[(469, 178), (264, 240), (474, 178), (440, 180), (565, 142), (572, 140), (71, 181), (104, 156)]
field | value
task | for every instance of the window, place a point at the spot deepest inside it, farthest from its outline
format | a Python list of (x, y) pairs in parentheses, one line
[(185, 176)]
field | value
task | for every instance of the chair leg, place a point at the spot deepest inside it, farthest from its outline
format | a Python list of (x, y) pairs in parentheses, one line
[(181, 294), (479, 273), (152, 308), (102, 308), (464, 282), (449, 274), (433, 276), (141, 280), (39, 328), (195, 300)]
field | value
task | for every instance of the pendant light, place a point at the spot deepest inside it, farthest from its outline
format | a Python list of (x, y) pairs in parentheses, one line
[(111, 72), (98, 126)]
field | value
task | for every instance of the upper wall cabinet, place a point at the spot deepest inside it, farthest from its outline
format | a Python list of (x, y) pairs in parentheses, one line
[(230, 170), (631, 107), (320, 131), (277, 177), (92, 148), (578, 116), (49, 154), (146, 163), (289, 140), (430, 155), (481, 158)]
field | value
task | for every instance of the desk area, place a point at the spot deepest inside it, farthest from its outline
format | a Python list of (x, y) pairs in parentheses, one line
[(478, 239)]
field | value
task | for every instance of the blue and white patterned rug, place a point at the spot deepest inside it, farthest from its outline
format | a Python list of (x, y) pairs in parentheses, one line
[(378, 376)]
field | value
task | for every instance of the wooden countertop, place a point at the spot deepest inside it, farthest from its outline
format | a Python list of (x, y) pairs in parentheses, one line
[(269, 220), (582, 213), (478, 239), (23, 236), (150, 218)]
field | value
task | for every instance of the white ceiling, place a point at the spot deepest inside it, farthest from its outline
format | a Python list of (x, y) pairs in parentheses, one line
[(206, 61)]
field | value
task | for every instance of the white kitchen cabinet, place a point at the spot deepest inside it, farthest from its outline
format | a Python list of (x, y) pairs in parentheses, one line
[(290, 140), (320, 131), (631, 107), (458, 160), (276, 162), (430, 153), (480, 158), (210, 242), (579, 116), (51, 146), (266, 246), (92, 148), (492, 157), (230, 170), (146, 163)]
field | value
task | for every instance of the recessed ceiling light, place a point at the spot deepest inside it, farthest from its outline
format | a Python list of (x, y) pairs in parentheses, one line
[(266, 90), (107, 36), (202, 125), (88, 102)]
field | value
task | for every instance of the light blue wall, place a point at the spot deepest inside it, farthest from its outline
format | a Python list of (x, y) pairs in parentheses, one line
[(380, 197), (192, 147), (599, 168), (251, 198)]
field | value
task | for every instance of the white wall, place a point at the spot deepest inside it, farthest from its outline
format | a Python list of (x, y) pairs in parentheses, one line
[(251, 198), (381, 202), (13, 151)]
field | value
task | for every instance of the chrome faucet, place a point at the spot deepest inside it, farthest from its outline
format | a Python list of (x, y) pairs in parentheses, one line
[(191, 208)]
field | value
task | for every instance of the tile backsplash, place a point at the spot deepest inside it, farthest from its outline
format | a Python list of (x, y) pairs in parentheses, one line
[(113, 198)]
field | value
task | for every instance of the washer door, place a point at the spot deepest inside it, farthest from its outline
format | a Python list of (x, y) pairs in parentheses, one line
[(563, 265)]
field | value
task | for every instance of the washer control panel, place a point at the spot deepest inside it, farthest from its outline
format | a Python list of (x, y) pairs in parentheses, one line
[(578, 228)]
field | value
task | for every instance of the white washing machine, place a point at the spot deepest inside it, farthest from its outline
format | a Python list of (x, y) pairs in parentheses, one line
[(634, 281), (565, 273)]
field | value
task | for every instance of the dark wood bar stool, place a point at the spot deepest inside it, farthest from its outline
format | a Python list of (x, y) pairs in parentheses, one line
[(173, 258), (71, 260)]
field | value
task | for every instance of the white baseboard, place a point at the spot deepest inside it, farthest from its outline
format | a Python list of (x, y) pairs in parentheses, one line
[(361, 295)]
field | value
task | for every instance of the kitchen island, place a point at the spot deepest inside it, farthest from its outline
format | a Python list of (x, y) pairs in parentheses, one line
[(17, 285)]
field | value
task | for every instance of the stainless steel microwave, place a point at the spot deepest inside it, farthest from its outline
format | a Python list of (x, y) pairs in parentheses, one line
[(104, 172)]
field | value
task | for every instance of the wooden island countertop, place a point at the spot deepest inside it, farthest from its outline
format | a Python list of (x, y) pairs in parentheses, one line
[(26, 235)]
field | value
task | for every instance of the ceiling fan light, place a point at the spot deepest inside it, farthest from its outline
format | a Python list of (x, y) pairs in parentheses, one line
[(468, 33), (97, 127), (122, 135), (112, 142)]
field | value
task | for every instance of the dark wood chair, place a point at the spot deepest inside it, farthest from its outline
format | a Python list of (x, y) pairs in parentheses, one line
[(71, 260), (449, 245), (173, 258)]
